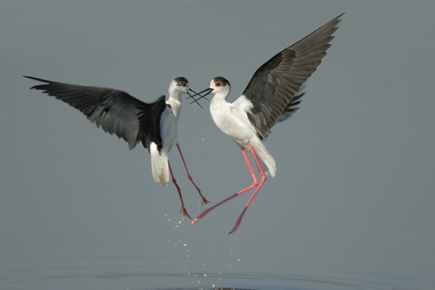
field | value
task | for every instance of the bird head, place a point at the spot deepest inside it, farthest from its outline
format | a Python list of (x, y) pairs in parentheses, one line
[(179, 85), (219, 85)]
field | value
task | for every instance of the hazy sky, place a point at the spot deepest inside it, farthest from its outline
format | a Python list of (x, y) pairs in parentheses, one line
[(355, 165)]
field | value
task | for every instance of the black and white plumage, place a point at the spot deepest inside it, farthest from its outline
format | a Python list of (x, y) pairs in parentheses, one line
[(117, 112), (270, 97)]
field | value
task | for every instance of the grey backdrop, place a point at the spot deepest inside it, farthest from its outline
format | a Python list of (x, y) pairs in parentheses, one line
[(354, 189)]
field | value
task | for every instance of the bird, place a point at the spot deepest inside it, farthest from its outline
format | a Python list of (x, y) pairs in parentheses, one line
[(271, 96), (116, 112)]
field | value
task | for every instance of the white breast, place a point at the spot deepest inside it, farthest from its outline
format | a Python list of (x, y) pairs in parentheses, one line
[(232, 120)]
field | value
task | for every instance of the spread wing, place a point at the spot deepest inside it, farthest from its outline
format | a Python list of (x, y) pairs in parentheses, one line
[(115, 111), (275, 84)]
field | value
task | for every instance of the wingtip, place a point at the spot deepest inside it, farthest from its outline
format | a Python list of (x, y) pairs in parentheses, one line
[(38, 79), (29, 77), (338, 18), (32, 78)]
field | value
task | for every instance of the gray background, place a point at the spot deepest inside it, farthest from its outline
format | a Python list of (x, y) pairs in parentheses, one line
[(354, 189)]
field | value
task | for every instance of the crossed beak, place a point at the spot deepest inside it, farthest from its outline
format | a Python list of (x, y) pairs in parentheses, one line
[(206, 91)]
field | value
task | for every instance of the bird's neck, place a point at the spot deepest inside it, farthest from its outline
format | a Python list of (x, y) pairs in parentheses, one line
[(175, 102), (220, 97), (218, 104), (175, 95)]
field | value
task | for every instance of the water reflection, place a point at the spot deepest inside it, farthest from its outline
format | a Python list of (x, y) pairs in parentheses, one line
[(222, 282), (92, 272)]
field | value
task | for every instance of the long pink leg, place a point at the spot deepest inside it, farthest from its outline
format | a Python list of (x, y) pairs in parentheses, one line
[(179, 192), (254, 184), (263, 180), (190, 178)]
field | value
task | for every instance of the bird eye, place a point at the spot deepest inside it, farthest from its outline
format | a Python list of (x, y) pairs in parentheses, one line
[(218, 84), (184, 84)]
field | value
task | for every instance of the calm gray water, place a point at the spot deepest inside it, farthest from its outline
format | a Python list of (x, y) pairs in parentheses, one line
[(184, 267), (144, 272)]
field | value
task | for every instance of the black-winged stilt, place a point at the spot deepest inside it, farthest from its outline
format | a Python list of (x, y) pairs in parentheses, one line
[(270, 97), (153, 124)]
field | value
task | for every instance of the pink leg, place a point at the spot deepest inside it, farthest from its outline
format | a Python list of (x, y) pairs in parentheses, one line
[(263, 180), (190, 178), (254, 184), (179, 192)]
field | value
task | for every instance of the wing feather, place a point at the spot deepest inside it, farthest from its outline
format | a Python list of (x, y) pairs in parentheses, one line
[(276, 83), (115, 111)]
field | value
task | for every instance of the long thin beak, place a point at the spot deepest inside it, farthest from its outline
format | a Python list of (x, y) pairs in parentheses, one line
[(198, 94), (208, 91), (192, 96)]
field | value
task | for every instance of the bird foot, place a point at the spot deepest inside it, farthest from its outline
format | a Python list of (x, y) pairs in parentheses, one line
[(236, 226), (185, 213), (200, 216), (204, 201)]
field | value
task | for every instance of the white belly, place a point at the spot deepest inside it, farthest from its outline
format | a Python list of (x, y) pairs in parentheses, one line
[(241, 131), (168, 129)]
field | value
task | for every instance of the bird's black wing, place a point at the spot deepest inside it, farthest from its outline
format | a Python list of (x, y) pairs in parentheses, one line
[(115, 111), (275, 84), (290, 109), (149, 122)]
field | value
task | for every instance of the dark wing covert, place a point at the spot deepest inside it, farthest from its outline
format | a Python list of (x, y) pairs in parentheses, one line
[(275, 84), (115, 111)]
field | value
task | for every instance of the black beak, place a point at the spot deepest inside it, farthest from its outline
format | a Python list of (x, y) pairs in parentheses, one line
[(192, 96), (207, 91), (198, 94)]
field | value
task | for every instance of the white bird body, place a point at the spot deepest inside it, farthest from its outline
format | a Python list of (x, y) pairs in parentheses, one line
[(232, 120), (270, 97), (168, 132), (152, 124)]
